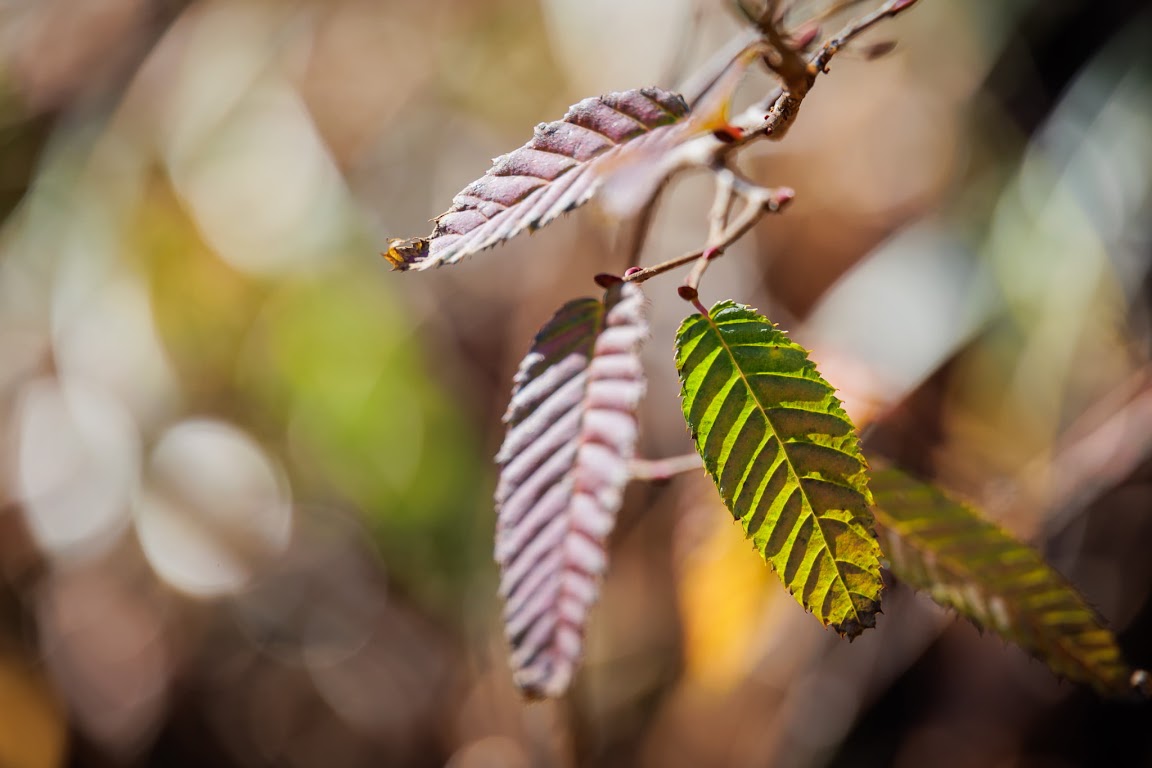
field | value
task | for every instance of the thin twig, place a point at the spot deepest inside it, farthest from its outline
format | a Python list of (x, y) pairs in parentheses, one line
[(775, 201), (719, 237), (758, 201), (658, 470), (717, 225), (864, 23), (640, 275), (782, 106)]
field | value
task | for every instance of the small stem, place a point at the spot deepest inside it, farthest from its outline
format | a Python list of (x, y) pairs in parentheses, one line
[(820, 61), (648, 273), (692, 282), (782, 106), (722, 204), (664, 469), (717, 225), (759, 201), (771, 200)]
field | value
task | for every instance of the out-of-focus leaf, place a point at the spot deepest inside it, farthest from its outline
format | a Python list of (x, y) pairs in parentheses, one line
[(558, 170), (966, 563), (786, 460), (724, 597), (564, 464), (202, 338), (332, 360), (34, 732)]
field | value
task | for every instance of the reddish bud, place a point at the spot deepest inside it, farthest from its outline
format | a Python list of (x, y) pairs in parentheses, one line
[(687, 292), (605, 280), (728, 134), (632, 270)]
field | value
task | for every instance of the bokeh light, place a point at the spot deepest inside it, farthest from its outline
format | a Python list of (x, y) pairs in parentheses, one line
[(247, 471)]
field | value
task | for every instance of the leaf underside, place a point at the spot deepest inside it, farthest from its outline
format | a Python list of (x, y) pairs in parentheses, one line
[(966, 563), (558, 170), (786, 460), (571, 431)]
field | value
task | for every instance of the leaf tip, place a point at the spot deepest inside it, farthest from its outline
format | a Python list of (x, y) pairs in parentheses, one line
[(548, 681), (404, 254), (865, 618)]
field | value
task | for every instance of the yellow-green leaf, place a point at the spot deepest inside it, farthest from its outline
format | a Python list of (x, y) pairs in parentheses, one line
[(966, 563), (786, 460)]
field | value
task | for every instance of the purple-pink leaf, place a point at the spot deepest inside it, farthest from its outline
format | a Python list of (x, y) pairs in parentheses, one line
[(559, 169), (564, 463)]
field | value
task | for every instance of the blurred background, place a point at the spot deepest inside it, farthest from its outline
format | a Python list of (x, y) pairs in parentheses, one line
[(246, 470)]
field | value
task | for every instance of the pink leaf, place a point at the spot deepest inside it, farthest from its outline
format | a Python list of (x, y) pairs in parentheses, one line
[(572, 431), (558, 170)]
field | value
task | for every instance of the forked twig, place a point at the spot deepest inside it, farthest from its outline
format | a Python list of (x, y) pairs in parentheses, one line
[(760, 200), (753, 123), (771, 118)]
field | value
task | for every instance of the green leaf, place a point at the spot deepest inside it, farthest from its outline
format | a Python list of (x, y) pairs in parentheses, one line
[(786, 460), (940, 546)]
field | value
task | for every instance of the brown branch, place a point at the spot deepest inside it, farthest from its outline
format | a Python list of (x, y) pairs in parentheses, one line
[(774, 125), (714, 86)]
